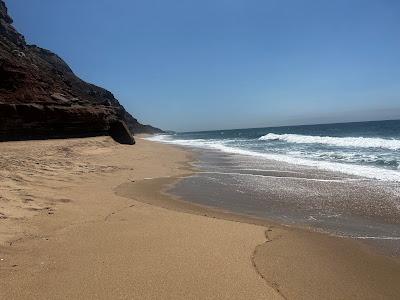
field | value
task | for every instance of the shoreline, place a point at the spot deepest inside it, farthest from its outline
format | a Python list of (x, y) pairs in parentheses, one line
[(295, 196), (230, 215), (319, 247), (355, 252), (130, 230)]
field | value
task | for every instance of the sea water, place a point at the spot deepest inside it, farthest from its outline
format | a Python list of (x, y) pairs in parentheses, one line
[(340, 178), (368, 149)]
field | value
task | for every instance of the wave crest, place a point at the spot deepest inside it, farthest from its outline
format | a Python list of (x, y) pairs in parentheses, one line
[(352, 169), (357, 142)]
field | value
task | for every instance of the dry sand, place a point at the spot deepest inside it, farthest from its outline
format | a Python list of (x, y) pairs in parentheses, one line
[(85, 219)]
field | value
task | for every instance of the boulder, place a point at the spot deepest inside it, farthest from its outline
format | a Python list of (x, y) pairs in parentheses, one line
[(120, 133)]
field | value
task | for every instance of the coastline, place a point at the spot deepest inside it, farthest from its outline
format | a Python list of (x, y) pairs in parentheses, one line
[(119, 234), (95, 244), (298, 262), (335, 203)]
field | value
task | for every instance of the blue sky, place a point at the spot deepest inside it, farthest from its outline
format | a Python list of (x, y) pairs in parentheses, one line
[(216, 64)]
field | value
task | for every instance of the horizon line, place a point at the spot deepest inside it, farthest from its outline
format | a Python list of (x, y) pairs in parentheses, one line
[(281, 126)]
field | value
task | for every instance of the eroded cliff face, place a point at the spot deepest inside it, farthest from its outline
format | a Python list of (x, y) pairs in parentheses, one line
[(40, 96)]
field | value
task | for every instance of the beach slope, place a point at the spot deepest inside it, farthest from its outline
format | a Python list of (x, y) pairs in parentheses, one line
[(88, 219), (65, 234)]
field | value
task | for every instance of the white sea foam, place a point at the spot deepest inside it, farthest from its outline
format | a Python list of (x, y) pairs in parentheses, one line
[(278, 177), (352, 169), (393, 238), (358, 142)]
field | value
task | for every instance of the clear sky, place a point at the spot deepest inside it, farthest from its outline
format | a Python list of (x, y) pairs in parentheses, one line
[(217, 64)]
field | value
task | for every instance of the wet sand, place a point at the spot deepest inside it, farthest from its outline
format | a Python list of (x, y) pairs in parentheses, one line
[(297, 263), (88, 219), (331, 202)]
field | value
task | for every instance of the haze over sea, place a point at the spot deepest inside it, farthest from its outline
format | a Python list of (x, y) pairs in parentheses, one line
[(342, 178)]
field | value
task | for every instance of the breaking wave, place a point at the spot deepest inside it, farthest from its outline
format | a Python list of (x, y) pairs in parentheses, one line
[(221, 145), (357, 142)]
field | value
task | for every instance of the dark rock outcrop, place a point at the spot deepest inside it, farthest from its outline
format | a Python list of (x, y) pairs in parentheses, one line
[(41, 97), (120, 132)]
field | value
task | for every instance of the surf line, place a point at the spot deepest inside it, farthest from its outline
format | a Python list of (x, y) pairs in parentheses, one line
[(282, 177), (393, 238)]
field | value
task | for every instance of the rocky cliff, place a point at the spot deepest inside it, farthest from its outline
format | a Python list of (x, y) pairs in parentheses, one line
[(40, 96)]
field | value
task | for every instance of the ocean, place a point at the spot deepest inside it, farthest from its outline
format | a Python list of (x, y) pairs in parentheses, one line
[(369, 149), (340, 178)]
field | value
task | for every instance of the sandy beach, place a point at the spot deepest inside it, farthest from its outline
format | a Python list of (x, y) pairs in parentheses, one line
[(88, 219)]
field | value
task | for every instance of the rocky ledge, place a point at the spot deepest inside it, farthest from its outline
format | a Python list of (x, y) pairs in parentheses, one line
[(41, 97)]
